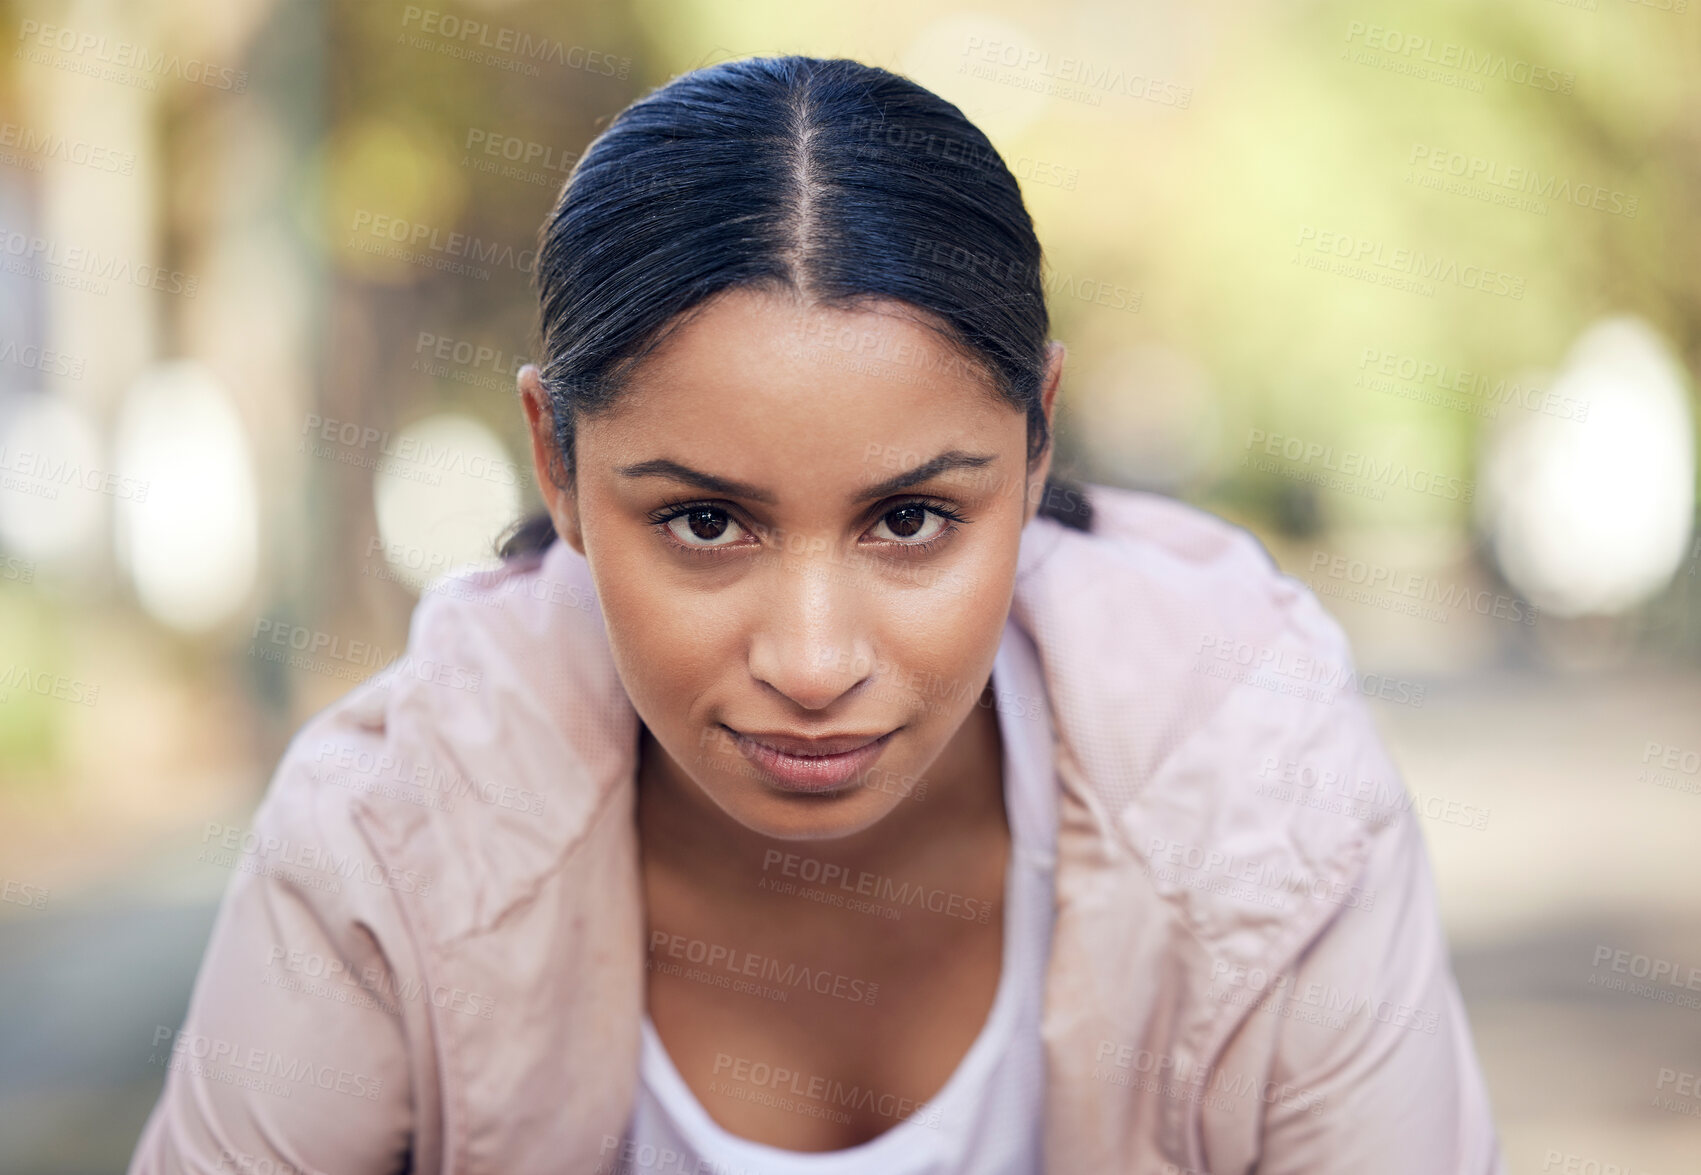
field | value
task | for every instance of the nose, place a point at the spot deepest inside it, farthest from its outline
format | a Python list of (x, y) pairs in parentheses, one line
[(812, 644)]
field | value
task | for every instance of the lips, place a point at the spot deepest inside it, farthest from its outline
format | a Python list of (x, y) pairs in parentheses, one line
[(797, 764)]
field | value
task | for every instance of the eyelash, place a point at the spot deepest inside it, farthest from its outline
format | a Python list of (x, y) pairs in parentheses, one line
[(661, 516)]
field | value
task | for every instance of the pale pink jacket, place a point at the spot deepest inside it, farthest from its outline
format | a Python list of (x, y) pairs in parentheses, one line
[(432, 955)]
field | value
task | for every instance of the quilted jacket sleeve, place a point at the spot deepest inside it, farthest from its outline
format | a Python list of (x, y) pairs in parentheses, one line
[(294, 1056), (1374, 1033)]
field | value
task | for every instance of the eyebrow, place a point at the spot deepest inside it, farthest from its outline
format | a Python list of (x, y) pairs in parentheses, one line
[(926, 471)]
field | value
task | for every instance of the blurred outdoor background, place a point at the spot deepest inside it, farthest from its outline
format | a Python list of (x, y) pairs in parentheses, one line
[(1412, 291)]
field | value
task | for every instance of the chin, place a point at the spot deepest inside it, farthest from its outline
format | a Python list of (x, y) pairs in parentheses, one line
[(806, 818)]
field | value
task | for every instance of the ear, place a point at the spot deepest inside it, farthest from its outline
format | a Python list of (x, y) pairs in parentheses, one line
[(1041, 468), (547, 463)]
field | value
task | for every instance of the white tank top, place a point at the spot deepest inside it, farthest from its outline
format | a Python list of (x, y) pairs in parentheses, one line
[(987, 1118)]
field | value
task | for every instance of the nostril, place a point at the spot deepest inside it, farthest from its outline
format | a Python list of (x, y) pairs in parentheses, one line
[(811, 675)]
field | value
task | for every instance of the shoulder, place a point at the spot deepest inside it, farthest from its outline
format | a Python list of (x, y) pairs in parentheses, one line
[(1184, 551), (473, 763), (305, 820), (1165, 619), (1181, 581), (1194, 684), (1185, 531)]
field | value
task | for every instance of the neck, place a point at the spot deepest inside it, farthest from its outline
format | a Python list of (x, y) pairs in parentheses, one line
[(687, 833)]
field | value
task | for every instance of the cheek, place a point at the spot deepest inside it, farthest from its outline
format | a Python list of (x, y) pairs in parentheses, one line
[(661, 639), (955, 652), (938, 642)]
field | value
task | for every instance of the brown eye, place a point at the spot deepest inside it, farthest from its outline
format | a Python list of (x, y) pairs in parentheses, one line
[(703, 526), (905, 521), (707, 525), (911, 524)]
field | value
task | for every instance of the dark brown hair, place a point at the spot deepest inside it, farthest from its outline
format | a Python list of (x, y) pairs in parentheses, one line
[(842, 182)]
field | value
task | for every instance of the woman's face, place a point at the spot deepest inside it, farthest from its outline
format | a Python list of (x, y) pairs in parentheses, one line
[(802, 524)]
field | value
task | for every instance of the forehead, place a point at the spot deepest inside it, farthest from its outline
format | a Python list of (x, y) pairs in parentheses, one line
[(756, 379)]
